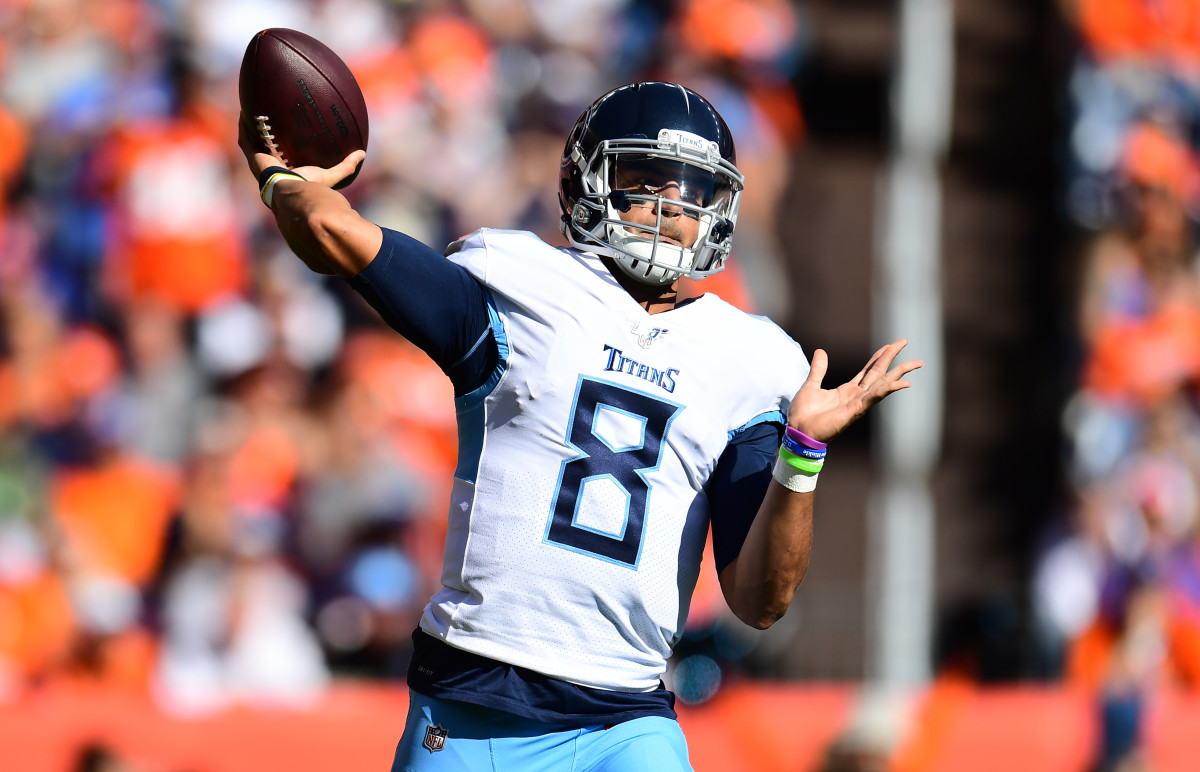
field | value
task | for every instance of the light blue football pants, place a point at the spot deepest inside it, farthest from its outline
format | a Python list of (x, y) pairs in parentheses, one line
[(444, 736)]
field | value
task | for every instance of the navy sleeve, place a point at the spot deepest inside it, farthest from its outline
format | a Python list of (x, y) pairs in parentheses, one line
[(434, 303), (737, 487)]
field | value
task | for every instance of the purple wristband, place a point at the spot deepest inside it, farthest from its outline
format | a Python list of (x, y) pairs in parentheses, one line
[(804, 439)]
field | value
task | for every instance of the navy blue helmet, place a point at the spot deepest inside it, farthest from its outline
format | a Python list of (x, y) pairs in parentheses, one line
[(662, 147)]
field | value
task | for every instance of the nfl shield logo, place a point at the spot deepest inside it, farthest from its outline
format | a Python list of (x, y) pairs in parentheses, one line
[(435, 738)]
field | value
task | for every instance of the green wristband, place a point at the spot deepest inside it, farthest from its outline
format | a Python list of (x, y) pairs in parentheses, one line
[(806, 465)]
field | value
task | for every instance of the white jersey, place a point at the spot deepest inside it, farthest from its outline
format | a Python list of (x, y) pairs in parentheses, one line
[(578, 515)]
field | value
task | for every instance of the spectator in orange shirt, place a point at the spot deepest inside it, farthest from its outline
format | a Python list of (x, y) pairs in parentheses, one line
[(177, 234), (1139, 308)]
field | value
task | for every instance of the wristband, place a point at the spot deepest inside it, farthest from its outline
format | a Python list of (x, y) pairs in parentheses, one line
[(801, 450), (804, 439), (792, 478), (269, 178), (806, 465), (266, 173)]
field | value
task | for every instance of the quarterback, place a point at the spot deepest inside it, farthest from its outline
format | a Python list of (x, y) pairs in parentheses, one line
[(604, 427)]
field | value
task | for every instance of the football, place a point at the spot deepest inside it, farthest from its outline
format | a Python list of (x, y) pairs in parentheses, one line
[(301, 100)]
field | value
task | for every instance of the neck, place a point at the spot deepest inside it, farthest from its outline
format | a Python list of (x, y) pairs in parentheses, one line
[(655, 298)]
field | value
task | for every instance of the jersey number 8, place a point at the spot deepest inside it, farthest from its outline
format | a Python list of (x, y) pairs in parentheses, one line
[(618, 434)]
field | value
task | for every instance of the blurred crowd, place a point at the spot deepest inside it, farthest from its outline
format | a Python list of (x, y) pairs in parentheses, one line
[(1117, 589), (222, 478)]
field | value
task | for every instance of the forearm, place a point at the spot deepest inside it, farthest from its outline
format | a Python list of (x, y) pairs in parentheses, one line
[(321, 227), (760, 583)]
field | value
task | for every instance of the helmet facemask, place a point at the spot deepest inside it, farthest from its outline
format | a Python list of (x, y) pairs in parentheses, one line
[(676, 178)]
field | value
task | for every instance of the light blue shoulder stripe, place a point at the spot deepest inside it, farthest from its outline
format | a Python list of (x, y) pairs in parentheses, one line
[(469, 406), (769, 417)]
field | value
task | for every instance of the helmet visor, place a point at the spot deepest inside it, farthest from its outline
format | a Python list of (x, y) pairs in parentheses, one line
[(652, 176)]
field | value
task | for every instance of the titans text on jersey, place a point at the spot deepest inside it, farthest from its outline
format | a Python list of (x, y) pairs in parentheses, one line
[(618, 362)]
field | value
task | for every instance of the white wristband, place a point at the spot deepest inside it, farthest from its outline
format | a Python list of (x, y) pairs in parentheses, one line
[(792, 478)]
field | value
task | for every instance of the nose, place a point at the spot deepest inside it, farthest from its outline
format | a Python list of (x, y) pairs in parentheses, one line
[(670, 193)]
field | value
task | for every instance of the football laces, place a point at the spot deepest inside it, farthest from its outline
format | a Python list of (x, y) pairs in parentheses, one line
[(264, 131)]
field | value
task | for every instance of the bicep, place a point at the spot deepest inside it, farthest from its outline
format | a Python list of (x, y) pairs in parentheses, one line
[(737, 487), (435, 304)]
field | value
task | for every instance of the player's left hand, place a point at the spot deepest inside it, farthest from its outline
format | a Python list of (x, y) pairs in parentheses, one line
[(823, 413)]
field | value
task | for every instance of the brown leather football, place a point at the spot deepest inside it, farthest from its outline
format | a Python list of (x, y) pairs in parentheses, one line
[(301, 100)]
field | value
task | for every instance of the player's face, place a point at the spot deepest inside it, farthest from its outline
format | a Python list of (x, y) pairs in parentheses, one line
[(669, 181)]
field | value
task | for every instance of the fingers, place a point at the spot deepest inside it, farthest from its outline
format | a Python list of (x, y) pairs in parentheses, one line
[(894, 379), (880, 384), (860, 379), (247, 140), (888, 353), (906, 368), (243, 134), (251, 147), (879, 363), (901, 370), (349, 164), (816, 372), (330, 177)]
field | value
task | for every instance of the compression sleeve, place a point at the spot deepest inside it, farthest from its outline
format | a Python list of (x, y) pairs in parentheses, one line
[(737, 487), (434, 303)]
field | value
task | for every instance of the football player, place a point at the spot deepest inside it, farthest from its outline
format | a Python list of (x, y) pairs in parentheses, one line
[(604, 427)]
